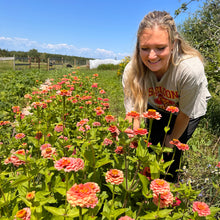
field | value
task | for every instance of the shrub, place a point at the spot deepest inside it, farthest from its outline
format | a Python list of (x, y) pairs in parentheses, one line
[(109, 66), (122, 65)]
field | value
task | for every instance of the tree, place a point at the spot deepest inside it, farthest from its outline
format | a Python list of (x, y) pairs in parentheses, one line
[(202, 31), (33, 53)]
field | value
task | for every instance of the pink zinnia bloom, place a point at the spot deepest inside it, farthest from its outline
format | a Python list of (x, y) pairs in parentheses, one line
[(63, 137), (64, 92), (19, 135), (114, 177), (175, 142), (69, 164), (94, 85), (106, 100), (82, 195), (59, 128), (166, 199), (133, 114), (107, 141), (113, 129), (102, 91), (152, 114), (159, 186), (129, 132), (133, 144), (87, 127), (109, 118), (146, 172), (99, 112), (82, 122), (94, 186), (39, 135), (140, 131), (88, 102), (177, 202), (48, 152), (44, 146), (24, 214), (81, 128), (96, 123), (27, 96), (16, 109), (218, 165), (126, 218), (172, 109), (183, 147), (119, 150), (202, 208)]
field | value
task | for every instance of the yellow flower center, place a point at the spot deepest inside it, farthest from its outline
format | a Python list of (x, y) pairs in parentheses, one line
[(21, 213)]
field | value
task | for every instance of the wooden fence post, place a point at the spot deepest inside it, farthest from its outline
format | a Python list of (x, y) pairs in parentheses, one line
[(29, 62), (14, 63), (38, 62)]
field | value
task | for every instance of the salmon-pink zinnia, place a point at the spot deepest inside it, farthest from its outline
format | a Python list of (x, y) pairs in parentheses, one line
[(19, 135), (201, 208), (172, 109), (24, 214), (166, 199), (133, 114), (126, 218), (69, 164), (114, 177), (140, 131), (152, 114), (159, 186), (83, 195)]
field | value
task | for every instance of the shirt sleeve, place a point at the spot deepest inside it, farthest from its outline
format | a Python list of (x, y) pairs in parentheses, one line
[(128, 103), (193, 91)]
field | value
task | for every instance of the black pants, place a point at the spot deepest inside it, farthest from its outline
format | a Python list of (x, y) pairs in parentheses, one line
[(157, 135)]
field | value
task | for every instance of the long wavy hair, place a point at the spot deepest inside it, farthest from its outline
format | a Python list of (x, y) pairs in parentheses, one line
[(135, 86)]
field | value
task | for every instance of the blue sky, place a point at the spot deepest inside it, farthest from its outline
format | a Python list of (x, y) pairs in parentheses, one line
[(89, 28)]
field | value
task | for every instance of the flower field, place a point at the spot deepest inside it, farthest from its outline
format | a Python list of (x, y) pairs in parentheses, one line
[(66, 156)]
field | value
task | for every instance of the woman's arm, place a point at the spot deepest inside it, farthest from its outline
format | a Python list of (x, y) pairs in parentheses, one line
[(136, 123), (180, 126)]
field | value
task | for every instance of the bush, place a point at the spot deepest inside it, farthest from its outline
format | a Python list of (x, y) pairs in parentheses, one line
[(122, 65), (108, 67)]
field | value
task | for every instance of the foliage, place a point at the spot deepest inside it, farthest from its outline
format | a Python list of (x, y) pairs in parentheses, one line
[(202, 31), (63, 114), (122, 65), (109, 66)]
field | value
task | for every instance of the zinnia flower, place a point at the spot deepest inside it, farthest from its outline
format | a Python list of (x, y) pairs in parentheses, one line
[(48, 152), (107, 141), (24, 214), (202, 208), (152, 114), (183, 147), (109, 118), (172, 109), (159, 186), (19, 135), (96, 123), (140, 131), (114, 177), (83, 195), (133, 114), (125, 218), (30, 195), (44, 146), (166, 199), (69, 164), (119, 150), (129, 132), (59, 128), (218, 165)]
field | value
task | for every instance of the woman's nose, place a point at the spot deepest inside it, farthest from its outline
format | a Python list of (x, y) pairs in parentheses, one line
[(152, 54)]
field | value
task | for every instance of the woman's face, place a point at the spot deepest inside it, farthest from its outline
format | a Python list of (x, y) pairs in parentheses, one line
[(155, 50)]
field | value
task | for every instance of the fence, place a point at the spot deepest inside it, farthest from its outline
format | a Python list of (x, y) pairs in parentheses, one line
[(49, 63)]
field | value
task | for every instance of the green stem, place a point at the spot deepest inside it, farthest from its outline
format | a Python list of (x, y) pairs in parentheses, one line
[(171, 160), (80, 213), (67, 187), (113, 200)]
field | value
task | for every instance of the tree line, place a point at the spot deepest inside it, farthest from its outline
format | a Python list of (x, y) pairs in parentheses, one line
[(33, 53)]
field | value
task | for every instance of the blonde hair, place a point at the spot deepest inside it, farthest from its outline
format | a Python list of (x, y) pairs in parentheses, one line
[(138, 73)]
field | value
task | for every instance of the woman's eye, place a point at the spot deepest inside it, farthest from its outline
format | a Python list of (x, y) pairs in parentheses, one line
[(144, 49), (161, 48)]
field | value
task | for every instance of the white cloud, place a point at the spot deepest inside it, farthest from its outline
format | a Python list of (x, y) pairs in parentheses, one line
[(23, 44)]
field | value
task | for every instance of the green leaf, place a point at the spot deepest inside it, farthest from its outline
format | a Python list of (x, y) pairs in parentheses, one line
[(55, 211), (118, 212), (21, 179), (145, 183), (75, 212), (60, 190), (164, 213), (103, 162)]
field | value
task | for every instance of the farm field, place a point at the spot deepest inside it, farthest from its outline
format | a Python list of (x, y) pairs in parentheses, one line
[(72, 143)]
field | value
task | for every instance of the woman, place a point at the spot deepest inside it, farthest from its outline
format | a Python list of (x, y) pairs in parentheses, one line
[(165, 71)]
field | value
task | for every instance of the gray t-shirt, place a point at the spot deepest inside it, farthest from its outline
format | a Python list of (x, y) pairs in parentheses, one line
[(183, 86)]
